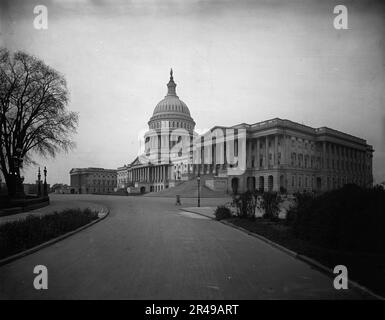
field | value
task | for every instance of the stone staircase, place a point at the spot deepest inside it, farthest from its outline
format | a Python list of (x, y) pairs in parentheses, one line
[(188, 189)]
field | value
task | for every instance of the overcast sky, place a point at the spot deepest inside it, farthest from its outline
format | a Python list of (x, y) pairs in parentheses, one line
[(233, 61)]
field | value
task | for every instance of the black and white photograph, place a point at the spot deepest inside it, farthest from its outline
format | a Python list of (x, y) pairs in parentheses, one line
[(190, 155)]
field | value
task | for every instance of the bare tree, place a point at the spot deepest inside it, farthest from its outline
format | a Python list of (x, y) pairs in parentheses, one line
[(33, 114)]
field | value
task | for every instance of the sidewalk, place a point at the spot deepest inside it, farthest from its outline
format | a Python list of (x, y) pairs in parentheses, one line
[(56, 204)]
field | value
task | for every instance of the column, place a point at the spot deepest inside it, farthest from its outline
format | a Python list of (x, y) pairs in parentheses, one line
[(276, 150), (324, 154), (266, 152), (284, 148), (258, 155)]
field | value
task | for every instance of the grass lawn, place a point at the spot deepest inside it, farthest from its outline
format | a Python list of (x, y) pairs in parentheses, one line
[(18, 236), (368, 269)]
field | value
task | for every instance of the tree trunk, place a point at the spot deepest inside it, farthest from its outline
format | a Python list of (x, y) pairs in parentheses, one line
[(14, 185)]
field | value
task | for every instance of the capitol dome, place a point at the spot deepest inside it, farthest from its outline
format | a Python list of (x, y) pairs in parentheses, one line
[(171, 111), (171, 104)]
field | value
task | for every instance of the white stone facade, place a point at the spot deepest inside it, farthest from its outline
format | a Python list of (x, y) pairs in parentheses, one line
[(280, 155)]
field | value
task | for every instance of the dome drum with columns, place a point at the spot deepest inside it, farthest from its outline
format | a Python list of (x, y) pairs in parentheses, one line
[(171, 114)]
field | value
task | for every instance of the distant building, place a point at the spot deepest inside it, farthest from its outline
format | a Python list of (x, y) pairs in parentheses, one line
[(93, 180), (123, 177), (62, 188), (31, 188)]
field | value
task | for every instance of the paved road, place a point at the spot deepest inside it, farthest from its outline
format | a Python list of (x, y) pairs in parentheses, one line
[(149, 249)]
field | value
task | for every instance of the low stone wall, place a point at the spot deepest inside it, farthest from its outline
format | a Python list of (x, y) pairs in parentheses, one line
[(216, 184), (209, 183)]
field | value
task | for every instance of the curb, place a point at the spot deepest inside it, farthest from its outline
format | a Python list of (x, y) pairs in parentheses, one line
[(102, 215), (201, 214), (313, 263)]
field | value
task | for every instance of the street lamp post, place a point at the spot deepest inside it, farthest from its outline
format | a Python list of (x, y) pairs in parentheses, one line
[(199, 190), (38, 183), (45, 190)]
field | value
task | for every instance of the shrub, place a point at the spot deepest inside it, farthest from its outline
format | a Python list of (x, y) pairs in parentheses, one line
[(351, 218), (21, 235), (222, 212), (246, 204), (302, 202), (270, 204)]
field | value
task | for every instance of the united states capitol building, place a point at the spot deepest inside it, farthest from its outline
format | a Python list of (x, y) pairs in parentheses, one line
[(273, 155)]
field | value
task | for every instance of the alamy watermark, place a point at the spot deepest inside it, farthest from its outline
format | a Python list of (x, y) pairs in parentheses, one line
[(219, 146), (341, 280), (40, 282), (341, 20), (40, 21)]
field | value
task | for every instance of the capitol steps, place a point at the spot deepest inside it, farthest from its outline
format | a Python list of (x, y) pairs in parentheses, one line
[(188, 189)]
